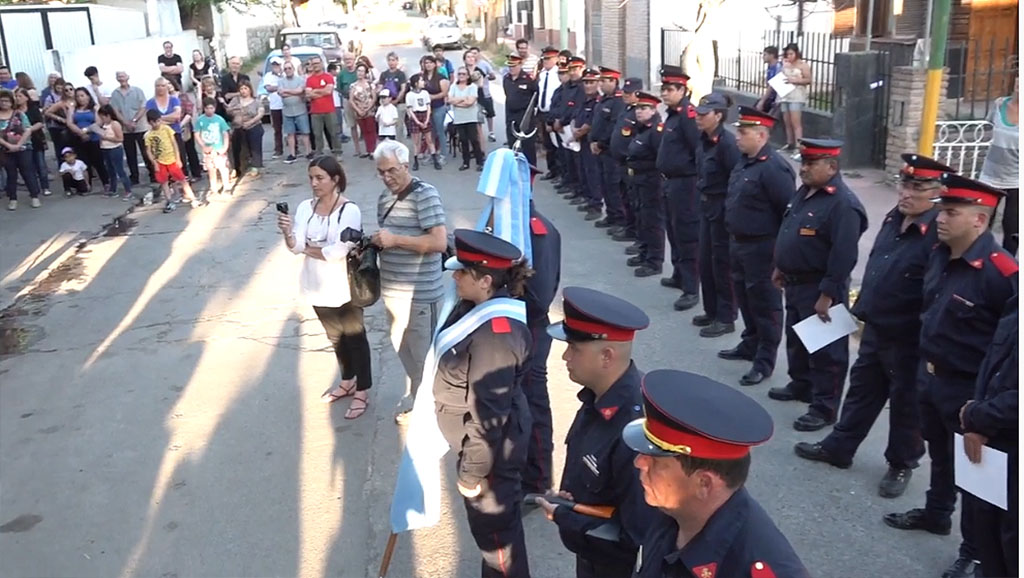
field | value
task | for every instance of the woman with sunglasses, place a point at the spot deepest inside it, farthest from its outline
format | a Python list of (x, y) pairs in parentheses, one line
[(316, 234), (462, 97), (55, 107)]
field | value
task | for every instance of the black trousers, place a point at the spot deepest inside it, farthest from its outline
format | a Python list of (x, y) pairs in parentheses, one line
[(995, 530), (58, 134), (469, 138), (528, 146), (590, 176), (717, 292), (133, 144), (630, 206), (612, 188), (550, 148), (537, 474), (646, 188), (587, 569), (89, 152), (346, 332), (1011, 224), (276, 121), (886, 369), (823, 372), (759, 301), (939, 421), (682, 224)]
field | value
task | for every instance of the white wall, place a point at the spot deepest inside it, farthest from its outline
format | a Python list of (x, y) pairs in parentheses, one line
[(136, 57), (110, 24)]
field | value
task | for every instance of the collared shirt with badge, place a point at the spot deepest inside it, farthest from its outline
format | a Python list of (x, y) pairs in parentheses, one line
[(642, 154), (518, 92), (599, 471), (622, 134), (572, 100), (760, 189), (740, 540), (677, 155), (609, 108), (891, 294), (819, 236), (716, 158), (585, 114), (993, 413)]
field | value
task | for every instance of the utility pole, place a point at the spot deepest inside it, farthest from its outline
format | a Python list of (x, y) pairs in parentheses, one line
[(933, 84), (563, 22)]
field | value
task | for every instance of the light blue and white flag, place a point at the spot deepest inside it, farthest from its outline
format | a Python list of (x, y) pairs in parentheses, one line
[(506, 180)]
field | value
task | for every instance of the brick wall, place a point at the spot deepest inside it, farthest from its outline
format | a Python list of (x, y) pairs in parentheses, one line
[(607, 34), (906, 105), (637, 40)]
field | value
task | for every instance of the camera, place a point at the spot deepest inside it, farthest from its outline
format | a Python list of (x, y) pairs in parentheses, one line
[(282, 207)]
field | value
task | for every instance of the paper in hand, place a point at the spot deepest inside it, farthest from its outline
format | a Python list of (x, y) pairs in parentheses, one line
[(986, 480), (815, 333), (780, 86)]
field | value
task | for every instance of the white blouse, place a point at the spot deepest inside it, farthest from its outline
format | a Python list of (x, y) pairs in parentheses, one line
[(325, 283)]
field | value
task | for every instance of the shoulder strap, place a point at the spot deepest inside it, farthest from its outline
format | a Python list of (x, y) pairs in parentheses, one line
[(342, 210)]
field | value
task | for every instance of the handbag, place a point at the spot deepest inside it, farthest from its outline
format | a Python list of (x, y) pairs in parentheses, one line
[(364, 270)]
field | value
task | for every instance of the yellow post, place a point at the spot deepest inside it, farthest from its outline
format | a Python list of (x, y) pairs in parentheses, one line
[(933, 84)]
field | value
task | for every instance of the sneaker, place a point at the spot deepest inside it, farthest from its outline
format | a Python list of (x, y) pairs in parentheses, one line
[(491, 138), (35, 203), (170, 206), (147, 199), (127, 196), (12, 205), (254, 172), (311, 155), (68, 194), (796, 156), (275, 156), (290, 159), (47, 193)]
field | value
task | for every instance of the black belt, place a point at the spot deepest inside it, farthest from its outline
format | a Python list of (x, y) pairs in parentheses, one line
[(802, 278), (751, 238), (709, 196), (939, 371)]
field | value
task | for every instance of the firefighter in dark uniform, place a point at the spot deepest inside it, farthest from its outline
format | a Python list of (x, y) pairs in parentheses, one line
[(609, 107), (541, 288), (645, 184), (598, 331), (520, 89), (621, 136), (968, 281), (561, 180), (677, 162), (572, 100), (889, 304), (547, 81), (592, 199), (815, 253), (684, 442), (717, 157), (991, 419), (481, 409), (760, 187)]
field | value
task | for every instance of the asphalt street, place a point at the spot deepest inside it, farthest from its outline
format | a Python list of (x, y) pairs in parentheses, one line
[(162, 417)]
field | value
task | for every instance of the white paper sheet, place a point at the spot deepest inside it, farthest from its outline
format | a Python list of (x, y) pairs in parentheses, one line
[(986, 480), (780, 86), (815, 333), (568, 141)]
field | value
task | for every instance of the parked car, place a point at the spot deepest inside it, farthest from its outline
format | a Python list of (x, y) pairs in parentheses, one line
[(303, 53), (351, 34), (323, 37), (443, 30)]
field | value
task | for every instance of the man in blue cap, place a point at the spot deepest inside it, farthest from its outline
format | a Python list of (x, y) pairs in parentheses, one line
[(815, 253), (694, 444), (622, 134), (598, 330), (889, 304)]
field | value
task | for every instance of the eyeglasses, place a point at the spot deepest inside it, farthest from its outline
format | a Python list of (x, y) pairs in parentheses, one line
[(392, 172)]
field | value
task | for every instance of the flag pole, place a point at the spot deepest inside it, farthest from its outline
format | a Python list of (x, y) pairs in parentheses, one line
[(388, 551)]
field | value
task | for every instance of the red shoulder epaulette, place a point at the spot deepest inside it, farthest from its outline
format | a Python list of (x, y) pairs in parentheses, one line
[(537, 226), (761, 569), (608, 412), (691, 112), (830, 190), (661, 126), (501, 325), (1005, 263), (705, 570)]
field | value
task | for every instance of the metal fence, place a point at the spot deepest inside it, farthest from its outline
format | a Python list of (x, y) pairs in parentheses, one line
[(980, 70), (962, 145), (740, 66)]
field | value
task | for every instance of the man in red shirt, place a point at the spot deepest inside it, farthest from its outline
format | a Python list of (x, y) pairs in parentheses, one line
[(320, 94)]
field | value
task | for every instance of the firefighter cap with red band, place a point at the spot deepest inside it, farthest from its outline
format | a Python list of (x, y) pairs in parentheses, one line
[(964, 191), (482, 249), (591, 315), (921, 168)]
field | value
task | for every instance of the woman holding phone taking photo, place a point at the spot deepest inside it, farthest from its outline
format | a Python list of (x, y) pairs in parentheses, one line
[(315, 233)]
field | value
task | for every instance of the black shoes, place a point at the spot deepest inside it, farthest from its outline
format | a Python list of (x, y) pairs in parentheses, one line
[(632, 250), (717, 328), (787, 393), (592, 215), (623, 237), (646, 271), (464, 167), (702, 320), (580, 200), (686, 301), (811, 422), (918, 519), (735, 354), (894, 483), (634, 261), (603, 224), (437, 161), (415, 163), (817, 453), (752, 377), (671, 282), (962, 568), (548, 176)]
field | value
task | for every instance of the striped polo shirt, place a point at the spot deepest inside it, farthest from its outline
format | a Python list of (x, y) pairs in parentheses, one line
[(405, 273)]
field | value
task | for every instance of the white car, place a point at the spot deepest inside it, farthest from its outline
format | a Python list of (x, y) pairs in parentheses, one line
[(443, 30), (351, 34)]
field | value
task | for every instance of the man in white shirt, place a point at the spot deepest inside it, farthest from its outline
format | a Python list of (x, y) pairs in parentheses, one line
[(529, 60), (547, 83), (276, 103), (100, 94)]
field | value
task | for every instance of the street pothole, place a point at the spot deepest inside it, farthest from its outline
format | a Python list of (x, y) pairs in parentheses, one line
[(17, 333), (119, 227)]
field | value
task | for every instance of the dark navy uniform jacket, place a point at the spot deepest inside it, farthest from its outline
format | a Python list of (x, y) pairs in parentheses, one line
[(964, 299), (518, 92), (609, 109), (477, 392), (739, 541), (994, 413), (622, 134), (547, 269), (557, 107), (642, 154), (599, 471), (677, 156), (819, 236), (585, 114), (716, 158), (572, 100), (892, 292), (760, 189)]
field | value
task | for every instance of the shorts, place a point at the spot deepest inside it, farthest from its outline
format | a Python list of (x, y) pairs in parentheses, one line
[(295, 124), (487, 104), (168, 172), (791, 106), (215, 160)]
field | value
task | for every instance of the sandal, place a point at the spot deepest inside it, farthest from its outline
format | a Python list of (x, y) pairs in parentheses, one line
[(330, 396), (355, 411)]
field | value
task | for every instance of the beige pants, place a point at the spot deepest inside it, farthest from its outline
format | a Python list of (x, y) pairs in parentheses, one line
[(412, 328)]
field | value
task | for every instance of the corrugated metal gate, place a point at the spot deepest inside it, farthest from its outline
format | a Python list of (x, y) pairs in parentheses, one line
[(25, 34)]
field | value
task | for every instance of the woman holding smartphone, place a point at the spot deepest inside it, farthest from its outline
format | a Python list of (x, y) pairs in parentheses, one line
[(315, 233)]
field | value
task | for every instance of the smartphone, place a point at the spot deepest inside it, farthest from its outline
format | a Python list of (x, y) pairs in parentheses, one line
[(282, 207)]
